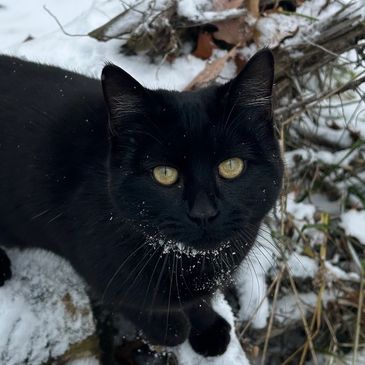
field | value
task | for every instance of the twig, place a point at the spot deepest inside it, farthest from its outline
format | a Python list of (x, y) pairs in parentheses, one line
[(211, 70), (61, 26), (304, 320), (271, 320), (214, 17), (316, 319), (299, 107), (324, 49), (269, 290), (100, 33), (358, 319), (318, 45), (291, 13)]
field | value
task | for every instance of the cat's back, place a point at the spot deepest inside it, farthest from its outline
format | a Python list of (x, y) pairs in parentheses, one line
[(33, 90), (44, 109), (51, 122)]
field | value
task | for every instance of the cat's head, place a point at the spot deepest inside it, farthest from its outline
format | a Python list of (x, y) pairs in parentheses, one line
[(199, 169)]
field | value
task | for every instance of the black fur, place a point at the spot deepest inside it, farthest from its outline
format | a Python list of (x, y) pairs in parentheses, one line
[(5, 267), (75, 178)]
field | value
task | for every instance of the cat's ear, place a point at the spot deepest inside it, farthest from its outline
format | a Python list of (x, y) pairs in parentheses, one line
[(252, 87), (123, 95)]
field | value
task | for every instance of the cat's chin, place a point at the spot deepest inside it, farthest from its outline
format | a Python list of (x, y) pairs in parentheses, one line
[(194, 248)]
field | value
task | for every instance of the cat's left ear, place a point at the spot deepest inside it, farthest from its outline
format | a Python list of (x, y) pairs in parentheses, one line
[(253, 86), (123, 95)]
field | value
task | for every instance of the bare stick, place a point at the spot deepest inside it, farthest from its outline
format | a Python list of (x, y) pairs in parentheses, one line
[(61, 26)]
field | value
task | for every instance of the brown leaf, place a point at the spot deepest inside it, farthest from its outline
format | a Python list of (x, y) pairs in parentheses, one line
[(205, 46), (89, 347), (211, 71), (232, 31), (253, 7)]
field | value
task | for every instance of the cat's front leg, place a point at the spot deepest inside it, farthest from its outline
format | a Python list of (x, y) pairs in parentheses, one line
[(210, 332), (160, 327), (5, 267)]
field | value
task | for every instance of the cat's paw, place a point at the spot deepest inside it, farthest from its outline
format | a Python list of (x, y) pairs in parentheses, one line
[(213, 340), (5, 267)]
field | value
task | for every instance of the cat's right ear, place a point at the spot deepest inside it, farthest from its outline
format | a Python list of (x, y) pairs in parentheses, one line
[(123, 95), (252, 87)]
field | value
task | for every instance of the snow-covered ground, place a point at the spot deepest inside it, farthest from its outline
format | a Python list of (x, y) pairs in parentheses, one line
[(34, 331), (43, 309)]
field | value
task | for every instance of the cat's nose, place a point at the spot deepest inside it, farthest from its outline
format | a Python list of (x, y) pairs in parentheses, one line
[(203, 218), (203, 210)]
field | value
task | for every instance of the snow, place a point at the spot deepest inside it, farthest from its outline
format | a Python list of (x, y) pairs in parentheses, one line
[(192, 9), (340, 158), (348, 360), (325, 205), (353, 223), (290, 308), (288, 311), (273, 28), (301, 266), (202, 11), (314, 16), (250, 281), (34, 330), (20, 19), (340, 274), (88, 361), (300, 211)]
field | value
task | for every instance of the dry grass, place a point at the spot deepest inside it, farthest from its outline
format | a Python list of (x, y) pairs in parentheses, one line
[(331, 328)]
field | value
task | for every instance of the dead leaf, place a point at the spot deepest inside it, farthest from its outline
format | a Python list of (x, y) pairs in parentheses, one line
[(205, 46), (232, 31), (253, 7), (89, 347), (211, 71)]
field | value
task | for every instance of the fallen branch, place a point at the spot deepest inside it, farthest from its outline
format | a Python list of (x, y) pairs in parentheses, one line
[(321, 43), (211, 71), (209, 17), (287, 113)]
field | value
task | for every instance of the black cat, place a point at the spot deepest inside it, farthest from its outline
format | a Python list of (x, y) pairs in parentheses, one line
[(154, 196)]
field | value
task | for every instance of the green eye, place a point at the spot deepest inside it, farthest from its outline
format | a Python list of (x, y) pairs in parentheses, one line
[(231, 168), (165, 175)]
